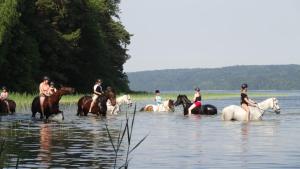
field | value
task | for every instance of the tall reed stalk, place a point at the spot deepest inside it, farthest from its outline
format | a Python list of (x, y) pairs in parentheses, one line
[(125, 131)]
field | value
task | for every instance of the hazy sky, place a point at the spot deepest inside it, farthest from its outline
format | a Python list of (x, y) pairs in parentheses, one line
[(172, 34)]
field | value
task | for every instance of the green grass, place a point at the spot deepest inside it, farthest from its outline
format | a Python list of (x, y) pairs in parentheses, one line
[(25, 99)]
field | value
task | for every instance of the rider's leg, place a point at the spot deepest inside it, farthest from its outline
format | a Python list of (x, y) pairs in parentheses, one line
[(191, 108), (246, 108), (7, 104), (42, 99), (93, 102)]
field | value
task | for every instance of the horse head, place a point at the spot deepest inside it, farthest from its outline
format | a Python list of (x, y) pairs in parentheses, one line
[(171, 105), (65, 90), (128, 100), (181, 99), (275, 106), (110, 93)]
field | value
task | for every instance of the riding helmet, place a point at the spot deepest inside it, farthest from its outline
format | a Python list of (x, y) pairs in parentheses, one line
[(4, 88), (244, 86), (46, 78), (157, 91), (52, 83), (197, 89)]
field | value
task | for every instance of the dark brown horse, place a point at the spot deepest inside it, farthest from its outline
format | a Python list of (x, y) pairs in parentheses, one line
[(7, 106), (51, 103), (100, 107)]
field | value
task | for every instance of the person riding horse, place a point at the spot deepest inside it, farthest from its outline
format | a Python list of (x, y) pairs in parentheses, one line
[(97, 91), (196, 99), (245, 101), (4, 97), (44, 91)]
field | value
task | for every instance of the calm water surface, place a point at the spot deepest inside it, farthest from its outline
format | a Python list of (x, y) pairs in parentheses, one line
[(174, 141)]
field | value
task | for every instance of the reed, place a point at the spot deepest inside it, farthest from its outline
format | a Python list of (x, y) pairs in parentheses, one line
[(124, 132)]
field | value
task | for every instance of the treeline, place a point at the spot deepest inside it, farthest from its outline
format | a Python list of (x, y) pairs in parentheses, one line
[(72, 41), (272, 77)]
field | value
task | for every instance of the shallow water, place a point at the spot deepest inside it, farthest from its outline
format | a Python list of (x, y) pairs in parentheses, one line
[(174, 141)]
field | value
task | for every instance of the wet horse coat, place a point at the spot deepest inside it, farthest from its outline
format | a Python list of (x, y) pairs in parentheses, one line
[(100, 106), (51, 103), (206, 109), (3, 106), (166, 106)]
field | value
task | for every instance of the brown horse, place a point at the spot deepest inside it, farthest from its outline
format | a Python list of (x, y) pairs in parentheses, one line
[(100, 106), (7, 106), (51, 103)]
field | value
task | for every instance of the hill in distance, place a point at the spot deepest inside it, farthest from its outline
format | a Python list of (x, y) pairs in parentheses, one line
[(262, 77)]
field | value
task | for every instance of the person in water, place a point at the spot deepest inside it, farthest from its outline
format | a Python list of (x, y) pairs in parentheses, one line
[(196, 100), (4, 96), (245, 101), (97, 91), (44, 91), (158, 98)]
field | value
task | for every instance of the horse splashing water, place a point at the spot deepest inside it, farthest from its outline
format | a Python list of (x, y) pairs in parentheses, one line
[(100, 106), (166, 106), (234, 112), (206, 109), (51, 103), (125, 99)]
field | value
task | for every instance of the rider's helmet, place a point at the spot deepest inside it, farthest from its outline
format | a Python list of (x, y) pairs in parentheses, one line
[(197, 89), (157, 91), (4, 88), (46, 78), (244, 86), (52, 83), (99, 81)]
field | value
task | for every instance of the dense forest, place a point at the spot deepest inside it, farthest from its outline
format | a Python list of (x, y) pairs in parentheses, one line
[(71, 41), (280, 77)]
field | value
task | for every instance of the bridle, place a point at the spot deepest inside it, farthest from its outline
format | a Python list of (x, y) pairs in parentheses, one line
[(263, 111)]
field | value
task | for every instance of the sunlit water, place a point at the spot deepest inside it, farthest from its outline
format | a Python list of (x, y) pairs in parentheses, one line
[(173, 141)]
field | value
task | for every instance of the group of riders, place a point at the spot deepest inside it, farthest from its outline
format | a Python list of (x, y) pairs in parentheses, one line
[(245, 100), (47, 88)]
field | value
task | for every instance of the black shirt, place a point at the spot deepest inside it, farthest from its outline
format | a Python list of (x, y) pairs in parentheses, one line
[(243, 96)]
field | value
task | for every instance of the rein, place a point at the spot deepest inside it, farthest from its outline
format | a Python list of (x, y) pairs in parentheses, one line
[(263, 111)]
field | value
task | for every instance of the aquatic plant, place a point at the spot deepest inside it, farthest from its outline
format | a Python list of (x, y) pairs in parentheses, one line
[(124, 132)]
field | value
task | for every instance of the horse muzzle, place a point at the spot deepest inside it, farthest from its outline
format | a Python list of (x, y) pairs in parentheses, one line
[(277, 111)]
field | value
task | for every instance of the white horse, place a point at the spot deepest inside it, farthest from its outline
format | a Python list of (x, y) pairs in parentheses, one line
[(166, 106), (234, 112), (125, 99)]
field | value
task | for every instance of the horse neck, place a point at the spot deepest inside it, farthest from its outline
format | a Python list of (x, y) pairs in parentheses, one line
[(186, 103), (121, 100), (266, 104), (57, 95)]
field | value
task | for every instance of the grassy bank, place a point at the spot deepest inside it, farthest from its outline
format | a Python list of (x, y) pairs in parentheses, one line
[(26, 99)]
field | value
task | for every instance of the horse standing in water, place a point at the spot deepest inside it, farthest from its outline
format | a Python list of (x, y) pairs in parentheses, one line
[(234, 112), (166, 106), (125, 99), (7, 106), (206, 109), (51, 103), (100, 106)]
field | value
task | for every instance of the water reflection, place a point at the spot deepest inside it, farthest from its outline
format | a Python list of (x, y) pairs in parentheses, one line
[(45, 144)]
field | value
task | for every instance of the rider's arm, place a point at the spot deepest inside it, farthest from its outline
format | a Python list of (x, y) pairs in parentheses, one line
[(249, 102)]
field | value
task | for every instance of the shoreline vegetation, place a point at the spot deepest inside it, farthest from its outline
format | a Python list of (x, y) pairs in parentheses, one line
[(25, 99)]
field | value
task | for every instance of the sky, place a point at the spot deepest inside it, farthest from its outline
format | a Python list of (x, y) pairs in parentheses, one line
[(171, 34)]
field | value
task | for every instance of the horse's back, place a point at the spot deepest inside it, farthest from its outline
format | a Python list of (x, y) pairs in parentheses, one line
[(209, 109)]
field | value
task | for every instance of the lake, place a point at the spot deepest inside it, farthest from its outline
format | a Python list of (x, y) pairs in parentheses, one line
[(174, 141)]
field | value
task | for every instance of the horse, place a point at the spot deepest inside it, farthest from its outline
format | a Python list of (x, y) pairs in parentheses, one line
[(100, 107), (234, 112), (51, 103), (125, 99), (7, 106), (206, 109), (166, 106)]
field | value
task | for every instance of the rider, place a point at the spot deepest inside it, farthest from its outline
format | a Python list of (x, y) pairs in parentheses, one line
[(52, 88), (44, 89), (245, 101), (4, 96), (157, 99), (196, 99), (97, 91)]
